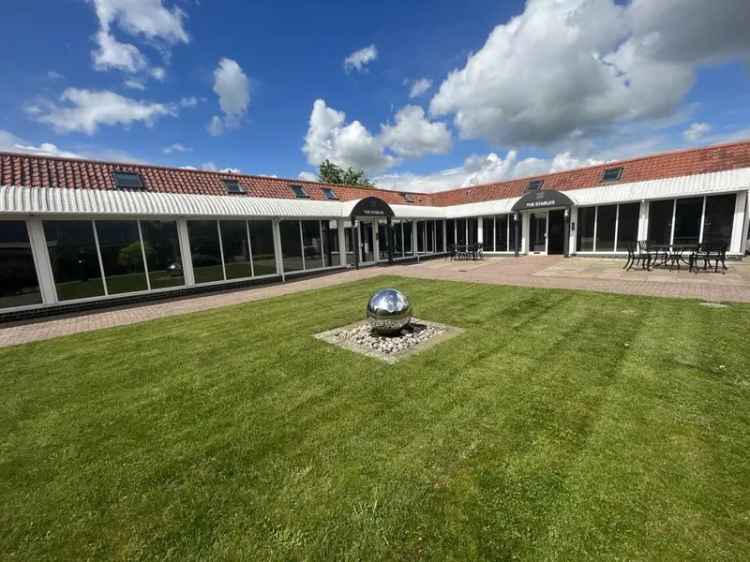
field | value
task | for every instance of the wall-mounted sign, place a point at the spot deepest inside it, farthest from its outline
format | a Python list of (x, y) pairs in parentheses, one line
[(371, 207)]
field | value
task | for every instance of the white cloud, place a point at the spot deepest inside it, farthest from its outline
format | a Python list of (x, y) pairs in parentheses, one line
[(328, 137), (111, 54), (359, 59), (419, 87), (232, 87), (134, 84), (414, 136), (307, 176), (478, 170), (147, 19), (11, 143), (696, 131), (588, 65), (189, 102), (176, 147), (54, 75), (85, 110), (211, 167)]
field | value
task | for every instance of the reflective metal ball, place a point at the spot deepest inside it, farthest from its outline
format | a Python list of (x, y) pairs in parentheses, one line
[(388, 311)]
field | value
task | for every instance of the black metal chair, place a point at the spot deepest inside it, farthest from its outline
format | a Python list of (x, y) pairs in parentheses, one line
[(716, 251)]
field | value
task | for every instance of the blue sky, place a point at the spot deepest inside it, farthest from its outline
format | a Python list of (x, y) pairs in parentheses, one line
[(510, 88)]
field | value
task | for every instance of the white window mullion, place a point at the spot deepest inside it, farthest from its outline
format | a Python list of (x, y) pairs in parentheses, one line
[(221, 250), (250, 248), (322, 246), (674, 216), (703, 221), (143, 253), (507, 236), (301, 244), (99, 257)]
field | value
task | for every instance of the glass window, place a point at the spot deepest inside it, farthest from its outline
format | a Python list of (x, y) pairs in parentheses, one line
[(291, 245), (612, 174), (331, 243), (349, 241), (18, 283), (501, 234), (72, 254), (717, 225), (261, 241), (398, 240), (204, 250), (512, 232), (299, 192), (128, 180), (430, 236), (488, 234), (420, 226), (585, 227), (473, 231), (313, 244), (439, 239), (605, 228), (408, 249), (627, 228), (122, 256), (660, 221), (450, 232), (329, 193), (461, 232), (383, 240), (162, 253), (233, 186), (234, 242), (687, 223)]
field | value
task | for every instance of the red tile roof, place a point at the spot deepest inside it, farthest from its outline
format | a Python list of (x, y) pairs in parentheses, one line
[(659, 166), (41, 171)]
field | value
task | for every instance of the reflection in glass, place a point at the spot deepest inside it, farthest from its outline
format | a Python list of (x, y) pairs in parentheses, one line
[(501, 233), (18, 282), (430, 236), (122, 256), (72, 254), (261, 242), (627, 228), (162, 254), (383, 241), (450, 232), (717, 225), (473, 231), (687, 223), (291, 245), (461, 232), (488, 234), (660, 222), (398, 240), (205, 252), (313, 244), (234, 242), (605, 228), (586, 229), (439, 239), (408, 245)]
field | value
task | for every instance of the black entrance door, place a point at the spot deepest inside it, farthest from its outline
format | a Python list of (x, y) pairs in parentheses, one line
[(538, 233), (556, 236)]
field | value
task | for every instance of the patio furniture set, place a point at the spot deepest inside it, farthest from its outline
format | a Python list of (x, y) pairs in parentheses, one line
[(650, 255), (465, 252)]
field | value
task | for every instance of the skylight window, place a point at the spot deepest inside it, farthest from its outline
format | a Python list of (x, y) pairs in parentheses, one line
[(128, 180), (408, 197), (535, 185), (330, 194), (299, 192), (612, 174), (233, 186)]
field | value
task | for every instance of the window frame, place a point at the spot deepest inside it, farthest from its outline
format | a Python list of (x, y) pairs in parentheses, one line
[(618, 174), (534, 186), (233, 186), (299, 191), (330, 194)]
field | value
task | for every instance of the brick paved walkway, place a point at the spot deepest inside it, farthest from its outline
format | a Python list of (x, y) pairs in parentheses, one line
[(531, 271)]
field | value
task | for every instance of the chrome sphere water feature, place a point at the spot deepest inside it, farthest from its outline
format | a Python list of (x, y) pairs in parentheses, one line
[(389, 311)]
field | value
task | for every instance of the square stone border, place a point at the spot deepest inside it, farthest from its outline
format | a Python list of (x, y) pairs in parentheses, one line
[(329, 336)]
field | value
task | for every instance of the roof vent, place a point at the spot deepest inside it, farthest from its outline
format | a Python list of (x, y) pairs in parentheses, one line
[(233, 186), (535, 185), (612, 174), (128, 180), (299, 192), (408, 197)]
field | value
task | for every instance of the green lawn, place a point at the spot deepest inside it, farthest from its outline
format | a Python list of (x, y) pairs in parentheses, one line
[(559, 426)]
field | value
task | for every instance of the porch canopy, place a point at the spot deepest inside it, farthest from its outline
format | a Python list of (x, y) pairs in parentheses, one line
[(542, 200)]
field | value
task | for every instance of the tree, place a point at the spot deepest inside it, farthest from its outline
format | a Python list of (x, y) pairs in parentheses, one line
[(331, 173)]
